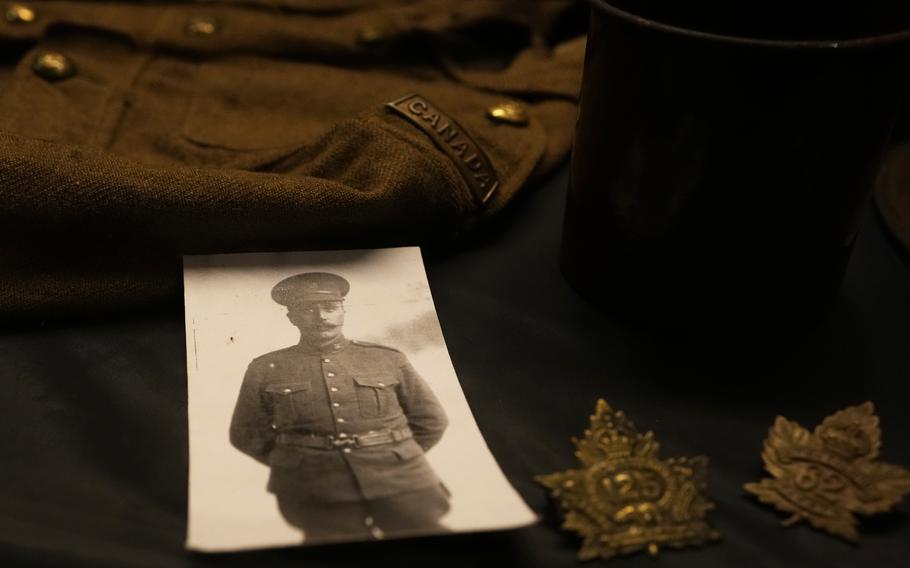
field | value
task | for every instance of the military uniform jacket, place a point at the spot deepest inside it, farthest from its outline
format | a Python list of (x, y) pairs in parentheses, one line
[(132, 133), (353, 388)]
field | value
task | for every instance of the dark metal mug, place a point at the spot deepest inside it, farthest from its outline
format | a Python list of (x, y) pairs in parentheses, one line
[(719, 180)]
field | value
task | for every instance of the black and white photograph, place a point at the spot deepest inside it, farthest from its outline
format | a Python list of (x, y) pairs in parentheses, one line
[(323, 406)]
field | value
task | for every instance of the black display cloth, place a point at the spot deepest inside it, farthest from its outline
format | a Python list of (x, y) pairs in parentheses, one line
[(93, 433)]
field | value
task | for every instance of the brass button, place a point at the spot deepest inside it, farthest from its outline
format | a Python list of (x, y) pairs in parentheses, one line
[(286, 390), (53, 66), (330, 374), (341, 420), (336, 405), (334, 389), (380, 384), (201, 26), (326, 360), (342, 435), (19, 14), (346, 450), (508, 113), (371, 35)]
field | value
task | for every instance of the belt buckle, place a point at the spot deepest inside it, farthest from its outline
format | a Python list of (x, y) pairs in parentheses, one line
[(335, 443)]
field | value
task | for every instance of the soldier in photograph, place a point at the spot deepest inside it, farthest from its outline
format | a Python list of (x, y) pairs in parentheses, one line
[(344, 425)]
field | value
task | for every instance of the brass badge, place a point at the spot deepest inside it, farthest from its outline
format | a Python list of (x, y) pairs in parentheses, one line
[(624, 498), (825, 476), (454, 141)]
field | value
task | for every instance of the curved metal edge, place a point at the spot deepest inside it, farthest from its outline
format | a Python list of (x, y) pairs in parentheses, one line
[(814, 45)]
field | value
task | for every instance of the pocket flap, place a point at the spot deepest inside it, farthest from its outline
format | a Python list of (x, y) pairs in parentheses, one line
[(287, 388), (408, 450), (376, 381)]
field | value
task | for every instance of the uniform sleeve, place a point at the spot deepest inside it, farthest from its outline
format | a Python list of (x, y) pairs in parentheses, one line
[(425, 414), (251, 425)]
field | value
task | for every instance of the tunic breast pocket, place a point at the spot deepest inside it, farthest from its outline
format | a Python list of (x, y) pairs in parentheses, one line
[(249, 112), (376, 395), (291, 402)]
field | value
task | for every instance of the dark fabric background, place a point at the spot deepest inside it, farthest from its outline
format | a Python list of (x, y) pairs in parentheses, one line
[(93, 433)]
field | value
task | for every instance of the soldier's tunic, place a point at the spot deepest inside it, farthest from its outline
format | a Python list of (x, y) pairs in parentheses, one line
[(301, 411), (132, 133)]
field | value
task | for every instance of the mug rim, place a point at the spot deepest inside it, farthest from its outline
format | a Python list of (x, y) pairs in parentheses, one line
[(814, 44)]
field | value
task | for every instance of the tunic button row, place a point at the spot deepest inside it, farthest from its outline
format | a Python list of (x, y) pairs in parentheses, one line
[(371, 35), (201, 26), (19, 14), (508, 113), (53, 66)]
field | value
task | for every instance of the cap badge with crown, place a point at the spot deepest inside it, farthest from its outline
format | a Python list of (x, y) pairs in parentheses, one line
[(826, 476), (624, 498)]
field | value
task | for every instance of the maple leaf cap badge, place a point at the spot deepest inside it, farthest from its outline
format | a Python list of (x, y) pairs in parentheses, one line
[(624, 498), (826, 476)]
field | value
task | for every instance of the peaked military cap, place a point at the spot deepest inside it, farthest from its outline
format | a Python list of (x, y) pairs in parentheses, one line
[(310, 287)]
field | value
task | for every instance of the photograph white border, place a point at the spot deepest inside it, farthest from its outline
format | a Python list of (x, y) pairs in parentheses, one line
[(231, 319)]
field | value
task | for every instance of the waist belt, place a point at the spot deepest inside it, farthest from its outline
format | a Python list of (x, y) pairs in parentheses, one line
[(331, 442)]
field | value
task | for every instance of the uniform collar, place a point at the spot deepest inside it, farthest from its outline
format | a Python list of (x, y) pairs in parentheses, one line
[(336, 345)]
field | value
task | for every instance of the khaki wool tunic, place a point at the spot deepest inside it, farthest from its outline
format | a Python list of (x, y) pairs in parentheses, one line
[(349, 389), (132, 133)]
